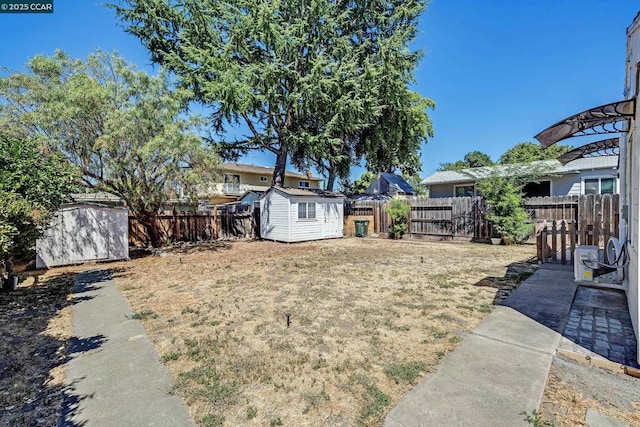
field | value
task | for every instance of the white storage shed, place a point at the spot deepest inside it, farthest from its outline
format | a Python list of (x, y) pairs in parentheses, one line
[(298, 215), (82, 232)]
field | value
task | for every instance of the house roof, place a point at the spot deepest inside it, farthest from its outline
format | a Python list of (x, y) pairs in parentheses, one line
[(263, 170), (398, 181), (556, 168), (311, 192)]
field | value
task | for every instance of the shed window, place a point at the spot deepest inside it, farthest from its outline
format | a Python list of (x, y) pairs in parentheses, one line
[(307, 210), (263, 179), (464, 191), (304, 184)]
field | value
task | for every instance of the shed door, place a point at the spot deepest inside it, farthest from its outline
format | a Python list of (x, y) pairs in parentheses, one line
[(330, 220)]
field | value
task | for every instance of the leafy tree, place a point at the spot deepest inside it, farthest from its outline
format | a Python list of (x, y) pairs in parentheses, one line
[(526, 152), (473, 159), (33, 184), (308, 80), (360, 185), (123, 130)]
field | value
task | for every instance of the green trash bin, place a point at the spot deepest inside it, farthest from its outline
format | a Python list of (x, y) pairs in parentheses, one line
[(362, 225)]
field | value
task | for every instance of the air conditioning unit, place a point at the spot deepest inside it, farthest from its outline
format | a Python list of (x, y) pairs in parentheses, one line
[(585, 254)]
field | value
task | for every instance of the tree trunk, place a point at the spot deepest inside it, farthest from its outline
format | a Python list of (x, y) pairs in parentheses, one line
[(331, 179), (149, 221), (280, 169)]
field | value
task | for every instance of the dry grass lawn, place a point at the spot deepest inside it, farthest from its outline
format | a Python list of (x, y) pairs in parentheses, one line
[(323, 333)]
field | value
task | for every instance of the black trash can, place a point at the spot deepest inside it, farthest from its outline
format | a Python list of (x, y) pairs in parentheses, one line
[(362, 225)]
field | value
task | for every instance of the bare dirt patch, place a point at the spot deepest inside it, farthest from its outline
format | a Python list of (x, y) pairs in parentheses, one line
[(35, 329), (573, 388), (323, 333)]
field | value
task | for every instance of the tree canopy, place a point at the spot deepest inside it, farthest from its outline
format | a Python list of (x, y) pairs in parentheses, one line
[(526, 152), (124, 131), (33, 184), (322, 83), (473, 159)]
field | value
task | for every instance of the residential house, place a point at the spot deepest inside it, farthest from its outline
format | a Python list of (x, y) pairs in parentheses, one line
[(621, 117), (588, 175), (298, 215), (630, 173), (238, 178)]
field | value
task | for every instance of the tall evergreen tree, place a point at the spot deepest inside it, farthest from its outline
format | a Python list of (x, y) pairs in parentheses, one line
[(306, 78)]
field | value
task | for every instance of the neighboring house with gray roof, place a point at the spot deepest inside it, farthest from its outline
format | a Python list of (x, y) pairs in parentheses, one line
[(589, 175)]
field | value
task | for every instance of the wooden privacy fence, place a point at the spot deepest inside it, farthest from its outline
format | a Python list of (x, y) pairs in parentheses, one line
[(193, 227), (595, 216), (442, 218), (370, 208), (454, 217)]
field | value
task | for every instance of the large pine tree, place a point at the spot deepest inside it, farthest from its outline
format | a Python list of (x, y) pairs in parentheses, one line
[(322, 81)]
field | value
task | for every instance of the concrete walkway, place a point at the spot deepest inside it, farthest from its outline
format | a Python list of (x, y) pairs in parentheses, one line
[(500, 369), (114, 375)]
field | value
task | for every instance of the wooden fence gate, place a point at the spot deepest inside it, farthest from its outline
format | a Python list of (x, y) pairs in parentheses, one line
[(576, 220)]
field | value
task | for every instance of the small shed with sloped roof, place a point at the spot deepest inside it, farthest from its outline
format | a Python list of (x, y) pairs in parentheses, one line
[(299, 215), (390, 184)]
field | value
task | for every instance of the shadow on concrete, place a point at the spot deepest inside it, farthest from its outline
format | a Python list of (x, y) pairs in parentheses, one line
[(594, 319), (82, 345)]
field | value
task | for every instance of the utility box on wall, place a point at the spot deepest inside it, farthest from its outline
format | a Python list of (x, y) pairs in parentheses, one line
[(84, 232), (585, 254)]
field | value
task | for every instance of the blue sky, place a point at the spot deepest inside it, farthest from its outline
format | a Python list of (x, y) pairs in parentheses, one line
[(499, 71)]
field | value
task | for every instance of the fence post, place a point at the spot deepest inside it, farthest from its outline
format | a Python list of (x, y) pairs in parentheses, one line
[(543, 243), (563, 242), (554, 240)]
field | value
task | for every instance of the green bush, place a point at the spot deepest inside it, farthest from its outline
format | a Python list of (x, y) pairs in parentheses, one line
[(398, 210)]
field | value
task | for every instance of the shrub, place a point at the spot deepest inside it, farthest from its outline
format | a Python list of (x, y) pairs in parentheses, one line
[(505, 208), (398, 210)]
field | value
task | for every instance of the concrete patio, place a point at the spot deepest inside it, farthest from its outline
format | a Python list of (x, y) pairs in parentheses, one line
[(499, 371)]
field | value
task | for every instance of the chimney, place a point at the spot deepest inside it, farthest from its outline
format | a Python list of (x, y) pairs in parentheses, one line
[(309, 175)]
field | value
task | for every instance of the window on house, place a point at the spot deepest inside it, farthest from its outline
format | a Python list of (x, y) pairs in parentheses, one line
[(607, 186), (303, 184), (464, 191), (263, 179), (537, 189), (600, 186), (307, 210), (591, 186)]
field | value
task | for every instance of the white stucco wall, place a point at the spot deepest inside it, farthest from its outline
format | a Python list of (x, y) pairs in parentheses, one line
[(630, 151), (84, 232)]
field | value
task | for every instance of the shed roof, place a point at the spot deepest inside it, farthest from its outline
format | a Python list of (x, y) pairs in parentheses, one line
[(96, 197), (310, 192), (473, 174)]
